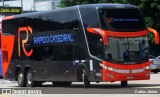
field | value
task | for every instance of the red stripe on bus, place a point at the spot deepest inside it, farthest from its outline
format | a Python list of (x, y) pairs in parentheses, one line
[(117, 34), (126, 34), (7, 50)]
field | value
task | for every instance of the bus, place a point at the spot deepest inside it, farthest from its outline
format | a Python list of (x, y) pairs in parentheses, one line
[(83, 43), (0, 50)]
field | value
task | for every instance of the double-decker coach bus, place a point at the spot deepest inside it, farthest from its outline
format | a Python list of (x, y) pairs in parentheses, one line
[(0, 49), (84, 43)]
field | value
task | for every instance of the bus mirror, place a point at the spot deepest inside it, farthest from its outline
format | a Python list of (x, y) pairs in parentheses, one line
[(99, 32), (156, 35)]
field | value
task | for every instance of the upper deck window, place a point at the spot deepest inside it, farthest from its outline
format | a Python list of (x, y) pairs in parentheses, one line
[(122, 19)]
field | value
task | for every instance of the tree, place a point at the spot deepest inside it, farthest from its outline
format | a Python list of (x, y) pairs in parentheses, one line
[(66, 3)]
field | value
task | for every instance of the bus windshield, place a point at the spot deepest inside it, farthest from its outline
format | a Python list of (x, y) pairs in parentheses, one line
[(122, 19), (127, 50)]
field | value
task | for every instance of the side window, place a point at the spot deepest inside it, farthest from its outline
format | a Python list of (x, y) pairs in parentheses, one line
[(95, 45), (50, 22), (42, 53), (37, 54), (58, 20), (47, 53), (62, 52), (58, 53), (96, 49), (33, 22), (90, 17), (68, 52), (78, 53), (71, 21)]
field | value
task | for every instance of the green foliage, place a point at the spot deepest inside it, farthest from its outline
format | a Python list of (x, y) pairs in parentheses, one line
[(149, 21), (66, 3)]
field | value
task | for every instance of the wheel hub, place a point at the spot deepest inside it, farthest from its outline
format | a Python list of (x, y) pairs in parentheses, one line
[(29, 78), (20, 78)]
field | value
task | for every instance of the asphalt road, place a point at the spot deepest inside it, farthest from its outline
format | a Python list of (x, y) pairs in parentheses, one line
[(145, 88)]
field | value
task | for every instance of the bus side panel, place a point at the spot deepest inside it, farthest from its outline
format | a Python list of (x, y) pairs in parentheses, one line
[(0, 63), (9, 48), (7, 52), (44, 67), (95, 44), (56, 61), (0, 54)]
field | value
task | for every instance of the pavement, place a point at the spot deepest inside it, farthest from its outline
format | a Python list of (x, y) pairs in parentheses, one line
[(103, 89)]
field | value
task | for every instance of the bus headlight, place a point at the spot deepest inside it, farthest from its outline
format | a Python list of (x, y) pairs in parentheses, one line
[(111, 69), (146, 68), (103, 66), (108, 68)]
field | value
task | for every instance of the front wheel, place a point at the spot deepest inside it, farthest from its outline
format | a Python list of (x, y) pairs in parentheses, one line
[(124, 83), (21, 79), (85, 79)]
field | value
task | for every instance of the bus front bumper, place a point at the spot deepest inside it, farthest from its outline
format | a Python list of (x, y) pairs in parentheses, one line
[(125, 72)]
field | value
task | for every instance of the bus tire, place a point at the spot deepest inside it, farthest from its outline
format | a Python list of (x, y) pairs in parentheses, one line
[(85, 79), (155, 72), (29, 79), (124, 83), (21, 79)]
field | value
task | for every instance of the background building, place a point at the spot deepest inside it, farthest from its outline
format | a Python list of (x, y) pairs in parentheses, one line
[(27, 6)]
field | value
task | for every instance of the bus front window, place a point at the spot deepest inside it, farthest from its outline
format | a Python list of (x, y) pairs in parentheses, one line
[(127, 50)]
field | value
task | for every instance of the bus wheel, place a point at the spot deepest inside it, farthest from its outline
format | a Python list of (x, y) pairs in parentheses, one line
[(21, 79), (155, 72), (85, 79), (30, 82), (124, 83)]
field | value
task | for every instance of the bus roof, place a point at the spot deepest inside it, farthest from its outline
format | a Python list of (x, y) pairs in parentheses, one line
[(108, 5), (94, 6)]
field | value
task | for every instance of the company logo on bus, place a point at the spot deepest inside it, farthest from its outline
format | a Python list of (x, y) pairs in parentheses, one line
[(114, 20), (110, 20), (53, 39), (59, 38), (23, 30)]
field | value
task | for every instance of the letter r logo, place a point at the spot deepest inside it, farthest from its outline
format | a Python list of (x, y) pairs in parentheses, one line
[(26, 30), (110, 20)]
